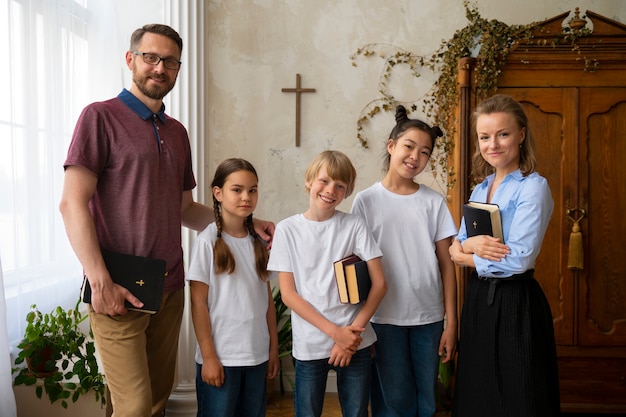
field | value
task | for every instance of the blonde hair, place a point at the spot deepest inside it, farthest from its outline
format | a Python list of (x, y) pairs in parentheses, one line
[(501, 103), (338, 167), (223, 257)]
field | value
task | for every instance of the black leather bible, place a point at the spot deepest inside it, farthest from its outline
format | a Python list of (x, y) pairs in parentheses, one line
[(483, 219), (143, 276)]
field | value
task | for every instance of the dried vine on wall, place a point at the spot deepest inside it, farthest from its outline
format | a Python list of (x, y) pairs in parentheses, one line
[(491, 38)]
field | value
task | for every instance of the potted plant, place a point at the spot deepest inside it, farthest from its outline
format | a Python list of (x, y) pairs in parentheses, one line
[(444, 390), (283, 320), (57, 352)]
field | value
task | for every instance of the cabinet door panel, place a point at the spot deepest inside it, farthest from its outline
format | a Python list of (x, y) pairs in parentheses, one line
[(602, 291)]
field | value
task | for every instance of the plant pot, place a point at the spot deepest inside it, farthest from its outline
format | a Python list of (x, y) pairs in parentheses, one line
[(41, 362)]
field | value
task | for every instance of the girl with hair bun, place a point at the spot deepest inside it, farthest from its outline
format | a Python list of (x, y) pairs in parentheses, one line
[(414, 228)]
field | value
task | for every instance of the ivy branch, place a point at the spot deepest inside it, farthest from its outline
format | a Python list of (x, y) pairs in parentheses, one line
[(493, 40)]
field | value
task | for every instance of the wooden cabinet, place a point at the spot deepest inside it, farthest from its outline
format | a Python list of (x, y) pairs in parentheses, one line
[(579, 121)]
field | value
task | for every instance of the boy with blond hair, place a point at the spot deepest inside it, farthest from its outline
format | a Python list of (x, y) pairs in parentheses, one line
[(327, 335)]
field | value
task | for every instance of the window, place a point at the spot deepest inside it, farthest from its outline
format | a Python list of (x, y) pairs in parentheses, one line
[(56, 58)]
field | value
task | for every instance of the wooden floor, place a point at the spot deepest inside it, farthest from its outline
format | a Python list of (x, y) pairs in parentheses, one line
[(281, 405)]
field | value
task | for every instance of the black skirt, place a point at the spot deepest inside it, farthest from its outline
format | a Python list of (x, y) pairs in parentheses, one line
[(507, 363)]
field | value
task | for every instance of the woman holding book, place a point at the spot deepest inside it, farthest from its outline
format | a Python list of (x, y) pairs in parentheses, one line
[(507, 362), (413, 227)]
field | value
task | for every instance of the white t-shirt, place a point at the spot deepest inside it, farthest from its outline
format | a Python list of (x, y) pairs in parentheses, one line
[(406, 228), (237, 302), (308, 249)]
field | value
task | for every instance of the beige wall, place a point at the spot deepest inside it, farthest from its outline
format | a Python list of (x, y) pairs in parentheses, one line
[(255, 48)]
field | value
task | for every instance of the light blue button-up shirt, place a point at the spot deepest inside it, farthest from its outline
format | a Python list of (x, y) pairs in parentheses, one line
[(526, 207)]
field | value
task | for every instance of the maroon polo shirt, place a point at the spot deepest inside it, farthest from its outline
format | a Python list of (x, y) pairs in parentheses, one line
[(143, 164)]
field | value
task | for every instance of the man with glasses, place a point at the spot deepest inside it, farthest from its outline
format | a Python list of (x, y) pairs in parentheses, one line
[(127, 189)]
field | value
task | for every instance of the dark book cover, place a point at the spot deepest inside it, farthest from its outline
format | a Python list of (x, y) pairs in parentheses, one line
[(482, 219), (144, 277), (358, 281)]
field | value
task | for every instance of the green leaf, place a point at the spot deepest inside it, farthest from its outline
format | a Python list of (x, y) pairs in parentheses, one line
[(70, 349)]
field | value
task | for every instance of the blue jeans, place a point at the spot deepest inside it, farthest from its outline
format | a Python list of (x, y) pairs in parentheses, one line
[(353, 383), (406, 364), (243, 394)]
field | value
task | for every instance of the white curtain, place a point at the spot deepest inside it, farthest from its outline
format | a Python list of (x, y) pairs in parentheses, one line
[(58, 56), (7, 400)]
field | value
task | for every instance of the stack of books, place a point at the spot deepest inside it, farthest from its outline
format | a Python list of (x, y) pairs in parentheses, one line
[(353, 279)]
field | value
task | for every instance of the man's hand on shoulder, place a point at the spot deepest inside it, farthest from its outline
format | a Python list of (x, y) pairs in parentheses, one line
[(265, 230)]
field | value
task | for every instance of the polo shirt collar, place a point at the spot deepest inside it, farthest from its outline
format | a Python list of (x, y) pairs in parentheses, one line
[(138, 107)]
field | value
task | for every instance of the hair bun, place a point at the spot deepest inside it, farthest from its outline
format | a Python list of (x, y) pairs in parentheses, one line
[(437, 131), (401, 114)]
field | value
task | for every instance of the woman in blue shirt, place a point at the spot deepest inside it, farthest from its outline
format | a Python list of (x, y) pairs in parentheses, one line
[(507, 362)]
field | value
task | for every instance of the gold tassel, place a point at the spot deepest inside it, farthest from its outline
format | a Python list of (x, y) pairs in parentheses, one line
[(575, 258)]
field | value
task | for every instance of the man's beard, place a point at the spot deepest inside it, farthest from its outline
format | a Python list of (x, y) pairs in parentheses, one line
[(156, 92)]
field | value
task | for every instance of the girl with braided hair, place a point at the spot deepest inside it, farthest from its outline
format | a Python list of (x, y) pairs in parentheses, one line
[(413, 227), (231, 301)]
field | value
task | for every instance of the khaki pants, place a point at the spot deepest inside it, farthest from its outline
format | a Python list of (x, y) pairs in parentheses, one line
[(138, 353)]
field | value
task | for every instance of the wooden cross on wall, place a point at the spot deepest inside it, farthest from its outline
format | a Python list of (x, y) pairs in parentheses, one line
[(298, 90)]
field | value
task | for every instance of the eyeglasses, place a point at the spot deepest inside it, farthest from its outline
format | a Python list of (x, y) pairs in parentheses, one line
[(152, 59)]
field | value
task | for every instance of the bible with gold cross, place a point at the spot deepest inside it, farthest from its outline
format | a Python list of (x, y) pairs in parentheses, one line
[(143, 277), (483, 219)]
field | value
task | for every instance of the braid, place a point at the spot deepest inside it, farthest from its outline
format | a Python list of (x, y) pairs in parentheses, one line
[(224, 260), (217, 213), (250, 227), (261, 255)]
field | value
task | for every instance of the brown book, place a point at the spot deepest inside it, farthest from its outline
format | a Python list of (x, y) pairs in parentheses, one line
[(144, 277), (358, 281), (340, 276), (483, 219)]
